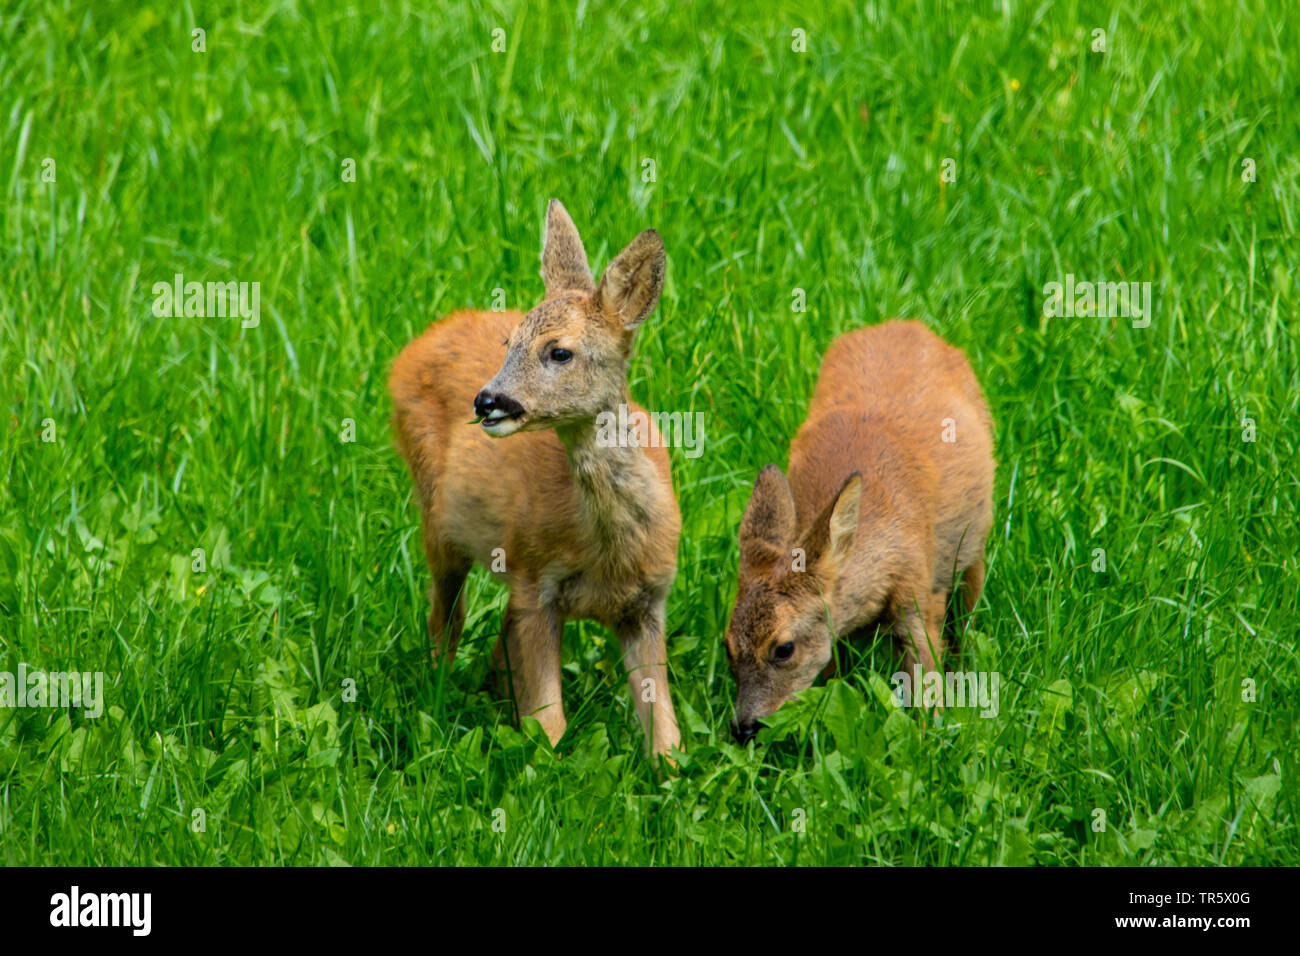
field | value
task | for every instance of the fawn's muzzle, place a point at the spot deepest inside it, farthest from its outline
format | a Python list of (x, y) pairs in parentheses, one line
[(493, 408), (743, 733)]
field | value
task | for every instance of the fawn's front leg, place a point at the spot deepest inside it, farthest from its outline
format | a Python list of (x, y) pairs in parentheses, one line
[(645, 656), (531, 637)]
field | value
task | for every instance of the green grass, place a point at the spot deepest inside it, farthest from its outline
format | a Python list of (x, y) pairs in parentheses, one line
[(774, 170)]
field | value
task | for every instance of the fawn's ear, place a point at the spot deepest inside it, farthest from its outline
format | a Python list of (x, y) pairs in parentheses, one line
[(564, 261), (630, 287), (831, 538), (767, 530)]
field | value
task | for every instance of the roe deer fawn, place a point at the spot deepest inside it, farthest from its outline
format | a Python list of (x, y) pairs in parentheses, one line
[(576, 529), (889, 500)]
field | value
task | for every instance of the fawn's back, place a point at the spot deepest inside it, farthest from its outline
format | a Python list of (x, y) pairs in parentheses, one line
[(902, 407)]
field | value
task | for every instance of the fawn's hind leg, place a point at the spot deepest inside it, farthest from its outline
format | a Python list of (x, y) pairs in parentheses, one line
[(972, 585), (921, 630), (969, 588), (446, 603)]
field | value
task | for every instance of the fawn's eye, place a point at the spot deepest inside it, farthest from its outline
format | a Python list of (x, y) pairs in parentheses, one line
[(783, 652), (560, 356)]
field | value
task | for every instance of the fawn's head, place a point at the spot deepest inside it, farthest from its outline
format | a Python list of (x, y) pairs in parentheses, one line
[(567, 360), (779, 638)]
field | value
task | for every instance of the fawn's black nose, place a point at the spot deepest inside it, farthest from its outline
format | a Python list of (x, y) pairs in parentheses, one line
[(743, 733), (487, 404)]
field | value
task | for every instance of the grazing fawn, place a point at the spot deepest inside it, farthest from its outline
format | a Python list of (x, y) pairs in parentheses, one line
[(578, 527), (889, 502)]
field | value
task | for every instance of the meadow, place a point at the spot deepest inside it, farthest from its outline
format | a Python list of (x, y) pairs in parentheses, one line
[(210, 512)]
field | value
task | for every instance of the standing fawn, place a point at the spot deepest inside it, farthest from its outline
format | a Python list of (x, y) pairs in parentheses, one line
[(888, 505), (576, 528)]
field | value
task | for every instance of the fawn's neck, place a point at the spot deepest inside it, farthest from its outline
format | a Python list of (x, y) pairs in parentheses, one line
[(618, 487), (862, 593)]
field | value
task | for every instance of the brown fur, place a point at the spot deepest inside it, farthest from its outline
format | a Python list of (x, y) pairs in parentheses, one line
[(887, 514), (585, 531)]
